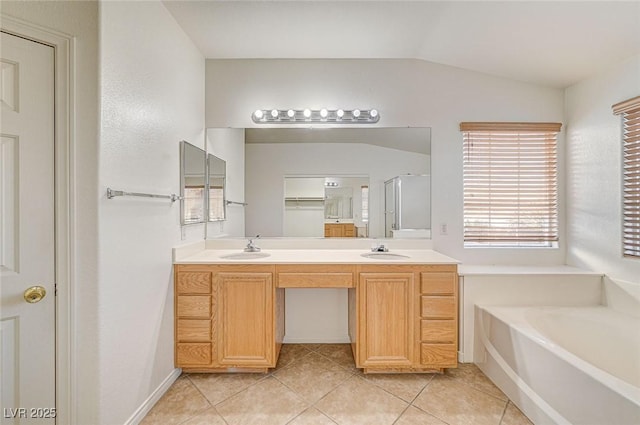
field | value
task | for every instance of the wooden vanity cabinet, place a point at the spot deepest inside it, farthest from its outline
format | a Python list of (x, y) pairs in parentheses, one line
[(405, 318), (228, 317), (339, 230)]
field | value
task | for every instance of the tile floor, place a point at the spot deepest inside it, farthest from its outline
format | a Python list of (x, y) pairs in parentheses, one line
[(318, 384)]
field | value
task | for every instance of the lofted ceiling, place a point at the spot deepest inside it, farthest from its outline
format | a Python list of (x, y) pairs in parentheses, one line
[(550, 43)]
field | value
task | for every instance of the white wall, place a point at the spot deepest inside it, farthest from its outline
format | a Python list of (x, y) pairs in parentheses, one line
[(228, 144), (152, 83), (268, 163), (407, 93), (80, 20), (594, 153)]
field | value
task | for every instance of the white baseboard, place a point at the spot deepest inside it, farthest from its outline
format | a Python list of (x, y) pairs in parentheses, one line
[(146, 406), (325, 340)]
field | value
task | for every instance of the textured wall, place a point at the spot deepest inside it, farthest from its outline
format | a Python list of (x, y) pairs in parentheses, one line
[(594, 171), (152, 97), (407, 93)]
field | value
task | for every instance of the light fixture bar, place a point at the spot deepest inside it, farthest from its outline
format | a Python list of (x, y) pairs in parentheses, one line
[(304, 116)]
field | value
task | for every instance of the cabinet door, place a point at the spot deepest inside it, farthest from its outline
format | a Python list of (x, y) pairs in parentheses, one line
[(333, 231), (245, 319), (386, 319)]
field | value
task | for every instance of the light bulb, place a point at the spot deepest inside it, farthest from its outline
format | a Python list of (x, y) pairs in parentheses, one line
[(291, 113), (274, 113), (356, 113), (258, 114), (373, 113), (307, 113), (340, 113), (324, 113)]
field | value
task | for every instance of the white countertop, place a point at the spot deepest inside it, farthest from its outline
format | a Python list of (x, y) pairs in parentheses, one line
[(518, 270), (314, 256)]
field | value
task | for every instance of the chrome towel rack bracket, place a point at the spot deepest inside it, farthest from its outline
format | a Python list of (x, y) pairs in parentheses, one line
[(113, 193), (236, 203)]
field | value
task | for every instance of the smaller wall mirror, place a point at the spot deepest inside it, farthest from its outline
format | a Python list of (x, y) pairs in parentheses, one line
[(192, 184), (217, 172)]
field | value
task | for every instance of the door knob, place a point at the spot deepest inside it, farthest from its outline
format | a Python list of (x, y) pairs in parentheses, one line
[(34, 294)]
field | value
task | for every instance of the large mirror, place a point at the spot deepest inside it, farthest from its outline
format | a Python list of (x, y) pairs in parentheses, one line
[(263, 162), (192, 184)]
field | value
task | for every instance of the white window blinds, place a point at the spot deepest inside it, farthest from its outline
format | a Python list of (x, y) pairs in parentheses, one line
[(510, 184), (630, 111)]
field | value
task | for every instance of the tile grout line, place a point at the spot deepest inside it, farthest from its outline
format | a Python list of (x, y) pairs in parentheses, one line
[(324, 396), (232, 395), (504, 412), (473, 387), (424, 411), (400, 415), (199, 392), (293, 391)]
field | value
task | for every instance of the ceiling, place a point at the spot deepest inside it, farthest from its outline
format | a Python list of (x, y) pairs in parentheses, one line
[(550, 43)]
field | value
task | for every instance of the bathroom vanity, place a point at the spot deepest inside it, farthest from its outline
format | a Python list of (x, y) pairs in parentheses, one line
[(339, 230), (230, 306)]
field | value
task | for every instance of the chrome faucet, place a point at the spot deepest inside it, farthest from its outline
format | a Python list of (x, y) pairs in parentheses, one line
[(379, 248), (251, 247)]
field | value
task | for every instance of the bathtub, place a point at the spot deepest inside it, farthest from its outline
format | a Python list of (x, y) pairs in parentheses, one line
[(563, 365)]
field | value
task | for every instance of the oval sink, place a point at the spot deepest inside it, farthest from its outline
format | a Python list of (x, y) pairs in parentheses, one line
[(245, 255), (384, 256)]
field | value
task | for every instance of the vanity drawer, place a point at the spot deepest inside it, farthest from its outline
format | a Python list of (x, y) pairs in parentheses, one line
[(193, 354), (438, 283), (439, 355), (193, 306), (193, 283), (438, 330), (315, 276), (436, 307), (350, 231), (193, 330)]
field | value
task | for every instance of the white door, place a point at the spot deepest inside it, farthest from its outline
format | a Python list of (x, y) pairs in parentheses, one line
[(27, 239)]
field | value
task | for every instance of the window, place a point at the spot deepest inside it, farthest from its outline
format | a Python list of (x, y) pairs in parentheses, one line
[(216, 203), (193, 204), (510, 184), (364, 191), (630, 111)]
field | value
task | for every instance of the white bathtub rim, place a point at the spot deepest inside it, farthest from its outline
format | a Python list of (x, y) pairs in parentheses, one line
[(612, 382), (522, 385), (629, 325)]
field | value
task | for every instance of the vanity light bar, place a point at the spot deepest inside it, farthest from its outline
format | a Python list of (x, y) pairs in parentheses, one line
[(302, 116)]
